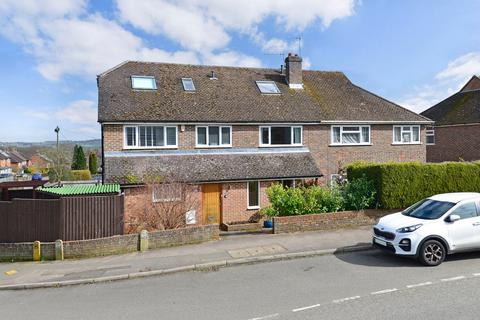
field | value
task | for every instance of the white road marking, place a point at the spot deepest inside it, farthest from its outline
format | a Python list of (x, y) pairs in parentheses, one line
[(346, 299), (453, 279), (476, 274), (419, 284), (384, 291), (270, 316), (306, 308)]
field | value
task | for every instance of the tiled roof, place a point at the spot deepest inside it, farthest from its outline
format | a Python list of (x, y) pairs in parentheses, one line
[(78, 190), (4, 155), (131, 167), (234, 97), (16, 157), (461, 108)]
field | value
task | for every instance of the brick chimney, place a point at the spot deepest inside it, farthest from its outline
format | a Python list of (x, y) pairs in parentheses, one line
[(293, 68)]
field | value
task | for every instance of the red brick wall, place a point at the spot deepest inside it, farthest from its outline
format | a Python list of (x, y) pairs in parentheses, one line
[(330, 158), (453, 143), (234, 201)]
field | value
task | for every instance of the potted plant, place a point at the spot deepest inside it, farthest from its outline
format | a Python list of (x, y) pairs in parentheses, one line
[(268, 213)]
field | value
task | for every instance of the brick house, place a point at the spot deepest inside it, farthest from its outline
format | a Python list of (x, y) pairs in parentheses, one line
[(233, 131), (455, 135), (18, 161)]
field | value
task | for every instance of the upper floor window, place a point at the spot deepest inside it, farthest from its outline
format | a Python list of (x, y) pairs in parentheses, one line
[(406, 134), (281, 136), (144, 82), (188, 84), (150, 136), (267, 87), (214, 136), (350, 135), (430, 136)]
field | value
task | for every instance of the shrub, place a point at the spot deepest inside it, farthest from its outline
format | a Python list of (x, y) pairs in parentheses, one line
[(359, 194), (303, 200), (398, 185), (79, 175), (92, 163), (268, 212)]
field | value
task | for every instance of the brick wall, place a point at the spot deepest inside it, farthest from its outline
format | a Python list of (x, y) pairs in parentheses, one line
[(23, 251), (234, 201), (326, 221), (330, 158), (453, 143), (111, 245)]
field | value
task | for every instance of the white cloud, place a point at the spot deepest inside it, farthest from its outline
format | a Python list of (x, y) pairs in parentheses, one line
[(79, 111), (445, 83), (232, 58)]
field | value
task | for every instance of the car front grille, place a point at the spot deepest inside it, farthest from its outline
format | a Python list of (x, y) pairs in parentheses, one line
[(384, 234)]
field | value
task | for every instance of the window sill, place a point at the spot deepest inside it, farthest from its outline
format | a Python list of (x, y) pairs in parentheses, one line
[(280, 145), (406, 143), (253, 208), (214, 147), (349, 145), (151, 148)]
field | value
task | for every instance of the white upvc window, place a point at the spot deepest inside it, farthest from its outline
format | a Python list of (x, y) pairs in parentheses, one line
[(277, 136), (150, 136), (253, 194), (144, 82), (350, 135), (213, 136), (430, 137), (406, 134)]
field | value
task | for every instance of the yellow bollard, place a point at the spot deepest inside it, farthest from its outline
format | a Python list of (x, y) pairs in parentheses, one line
[(36, 251)]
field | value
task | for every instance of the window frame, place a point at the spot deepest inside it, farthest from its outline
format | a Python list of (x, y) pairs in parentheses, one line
[(249, 207), (411, 134), (185, 88), (143, 77), (220, 139), (269, 144), (137, 137), (360, 129), (460, 204), (267, 82), (430, 133)]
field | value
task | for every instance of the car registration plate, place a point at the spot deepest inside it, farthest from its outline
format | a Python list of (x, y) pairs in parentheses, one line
[(380, 242)]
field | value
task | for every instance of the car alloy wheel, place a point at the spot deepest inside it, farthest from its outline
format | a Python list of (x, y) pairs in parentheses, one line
[(433, 253)]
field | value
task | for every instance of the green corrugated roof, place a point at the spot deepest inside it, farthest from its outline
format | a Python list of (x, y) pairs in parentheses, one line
[(78, 190)]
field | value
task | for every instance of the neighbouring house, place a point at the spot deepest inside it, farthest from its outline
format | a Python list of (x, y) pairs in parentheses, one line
[(455, 135), (18, 161), (40, 161), (4, 159), (232, 131)]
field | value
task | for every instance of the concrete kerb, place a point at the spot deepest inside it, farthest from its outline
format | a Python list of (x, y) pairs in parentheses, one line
[(207, 266)]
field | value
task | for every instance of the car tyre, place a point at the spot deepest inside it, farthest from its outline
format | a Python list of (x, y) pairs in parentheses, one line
[(432, 253)]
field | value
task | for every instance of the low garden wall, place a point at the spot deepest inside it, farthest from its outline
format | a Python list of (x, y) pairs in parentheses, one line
[(108, 246), (327, 221)]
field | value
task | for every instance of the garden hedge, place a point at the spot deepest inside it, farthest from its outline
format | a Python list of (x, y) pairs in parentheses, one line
[(399, 185)]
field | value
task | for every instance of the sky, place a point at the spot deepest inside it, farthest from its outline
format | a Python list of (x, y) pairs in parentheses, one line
[(415, 53)]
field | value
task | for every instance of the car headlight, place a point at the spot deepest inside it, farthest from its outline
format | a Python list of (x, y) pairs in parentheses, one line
[(409, 229)]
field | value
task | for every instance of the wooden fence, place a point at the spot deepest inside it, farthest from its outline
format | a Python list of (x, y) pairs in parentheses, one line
[(69, 218)]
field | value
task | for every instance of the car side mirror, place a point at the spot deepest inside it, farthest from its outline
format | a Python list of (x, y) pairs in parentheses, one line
[(453, 218)]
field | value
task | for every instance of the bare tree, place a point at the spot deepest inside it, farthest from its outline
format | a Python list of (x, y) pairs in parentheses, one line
[(161, 205)]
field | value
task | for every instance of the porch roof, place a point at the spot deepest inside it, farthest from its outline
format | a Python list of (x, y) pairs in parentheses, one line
[(211, 166)]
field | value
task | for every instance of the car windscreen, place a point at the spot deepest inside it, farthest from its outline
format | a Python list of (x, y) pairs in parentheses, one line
[(428, 209)]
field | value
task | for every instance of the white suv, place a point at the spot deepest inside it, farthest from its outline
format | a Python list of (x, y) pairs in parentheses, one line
[(432, 228)]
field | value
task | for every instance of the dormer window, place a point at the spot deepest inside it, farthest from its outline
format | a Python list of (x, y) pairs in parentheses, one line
[(188, 84), (267, 87), (144, 83)]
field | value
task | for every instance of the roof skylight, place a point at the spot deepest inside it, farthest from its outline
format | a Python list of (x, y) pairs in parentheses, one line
[(267, 87), (144, 82), (188, 84)]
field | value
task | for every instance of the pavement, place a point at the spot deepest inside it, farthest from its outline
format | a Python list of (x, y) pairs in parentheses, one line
[(356, 285), (231, 249)]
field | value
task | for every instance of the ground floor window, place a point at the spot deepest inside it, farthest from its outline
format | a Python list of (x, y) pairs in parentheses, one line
[(430, 134), (253, 201), (406, 134)]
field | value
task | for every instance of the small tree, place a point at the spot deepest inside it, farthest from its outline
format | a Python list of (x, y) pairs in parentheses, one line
[(79, 162), (92, 162), (161, 205)]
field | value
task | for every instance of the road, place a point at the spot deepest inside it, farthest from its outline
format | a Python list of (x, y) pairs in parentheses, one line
[(361, 285)]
